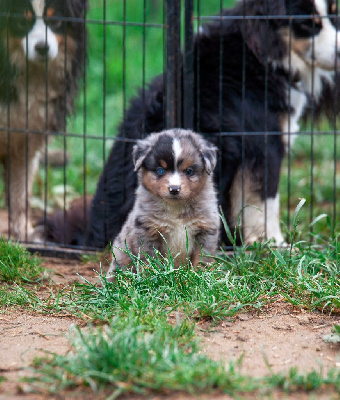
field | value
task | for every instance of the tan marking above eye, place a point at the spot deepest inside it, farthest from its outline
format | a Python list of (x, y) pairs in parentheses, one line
[(163, 164), (186, 163), (317, 20), (333, 8), (28, 14), (50, 12)]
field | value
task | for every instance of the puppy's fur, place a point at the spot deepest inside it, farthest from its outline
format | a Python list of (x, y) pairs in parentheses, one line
[(176, 204), (41, 58), (271, 72)]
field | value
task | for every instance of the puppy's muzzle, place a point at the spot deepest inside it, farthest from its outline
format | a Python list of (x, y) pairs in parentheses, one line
[(42, 48), (174, 190)]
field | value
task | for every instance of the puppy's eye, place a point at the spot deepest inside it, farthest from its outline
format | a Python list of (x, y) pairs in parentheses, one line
[(160, 171), (21, 25), (54, 23), (51, 19), (189, 171)]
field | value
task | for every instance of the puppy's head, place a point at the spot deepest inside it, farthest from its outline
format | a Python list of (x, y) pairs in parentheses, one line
[(174, 165), (306, 28), (35, 30), (314, 37)]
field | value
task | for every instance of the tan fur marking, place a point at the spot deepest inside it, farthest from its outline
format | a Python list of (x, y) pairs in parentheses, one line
[(50, 12), (163, 164), (14, 44), (317, 20), (188, 162), (28, 14)]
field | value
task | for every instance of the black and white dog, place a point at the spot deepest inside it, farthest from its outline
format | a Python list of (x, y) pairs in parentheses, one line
[(254, 75), (42, 51)]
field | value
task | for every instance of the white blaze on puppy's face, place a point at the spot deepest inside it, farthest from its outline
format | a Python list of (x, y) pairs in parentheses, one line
[(326, 45), (175, 178), (40, 37)]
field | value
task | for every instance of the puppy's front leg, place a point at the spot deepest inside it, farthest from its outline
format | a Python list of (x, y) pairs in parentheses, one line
[(19, 186), (259, 217), (206, 243)]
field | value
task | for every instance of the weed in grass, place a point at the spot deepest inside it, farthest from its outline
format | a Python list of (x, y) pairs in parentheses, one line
[(129, 357), (18, 265), (311, 381), (333, 337), (16, 295)]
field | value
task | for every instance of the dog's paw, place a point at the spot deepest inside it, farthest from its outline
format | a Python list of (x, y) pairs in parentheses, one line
[(37, 235)]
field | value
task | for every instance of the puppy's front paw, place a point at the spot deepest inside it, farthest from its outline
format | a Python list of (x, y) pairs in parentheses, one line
[(37, 234)]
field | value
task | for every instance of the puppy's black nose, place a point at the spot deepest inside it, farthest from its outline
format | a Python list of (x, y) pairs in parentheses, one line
[(42, 48), (174, 189)]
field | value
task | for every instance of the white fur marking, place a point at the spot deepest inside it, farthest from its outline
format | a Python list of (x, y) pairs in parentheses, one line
[(177, 149), (326, 43), (273, 221), (175, 179), (38, 7), (320, 59), (38, 34), (297, 100), (252, 211)]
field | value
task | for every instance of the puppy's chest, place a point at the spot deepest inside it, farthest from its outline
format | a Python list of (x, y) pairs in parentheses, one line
[(179, 233), (297, 101), (34, 107)]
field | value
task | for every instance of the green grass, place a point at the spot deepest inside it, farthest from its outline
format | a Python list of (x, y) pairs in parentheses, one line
[(148, 342), (19, 271), (141, 351), (128, 357), (317, 182), (18, 265), (132, 358)]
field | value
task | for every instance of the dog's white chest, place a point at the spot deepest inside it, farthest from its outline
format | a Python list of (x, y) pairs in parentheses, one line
[(180, 236), (297, 101)]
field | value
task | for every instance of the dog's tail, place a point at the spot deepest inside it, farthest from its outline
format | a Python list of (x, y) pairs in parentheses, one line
[(67, 227)]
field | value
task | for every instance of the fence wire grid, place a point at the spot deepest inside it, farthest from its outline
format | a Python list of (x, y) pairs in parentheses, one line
[(128, 43)]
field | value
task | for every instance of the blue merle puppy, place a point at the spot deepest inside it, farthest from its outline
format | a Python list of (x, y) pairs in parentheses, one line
[(176, 203)]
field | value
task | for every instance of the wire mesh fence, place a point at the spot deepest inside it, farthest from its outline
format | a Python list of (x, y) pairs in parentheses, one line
[(248, 75)]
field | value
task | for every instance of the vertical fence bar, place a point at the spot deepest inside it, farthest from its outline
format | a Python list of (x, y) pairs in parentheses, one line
[(173, 75), (85, 202), (188, 74)]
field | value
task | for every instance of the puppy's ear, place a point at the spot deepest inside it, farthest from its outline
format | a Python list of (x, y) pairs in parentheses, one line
[(262, 35), (209, 155), (140, 151), (78, 8)]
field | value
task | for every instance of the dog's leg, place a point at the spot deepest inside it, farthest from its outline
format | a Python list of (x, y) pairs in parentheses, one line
[(206, 243), (259, 218), (19, 186)]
